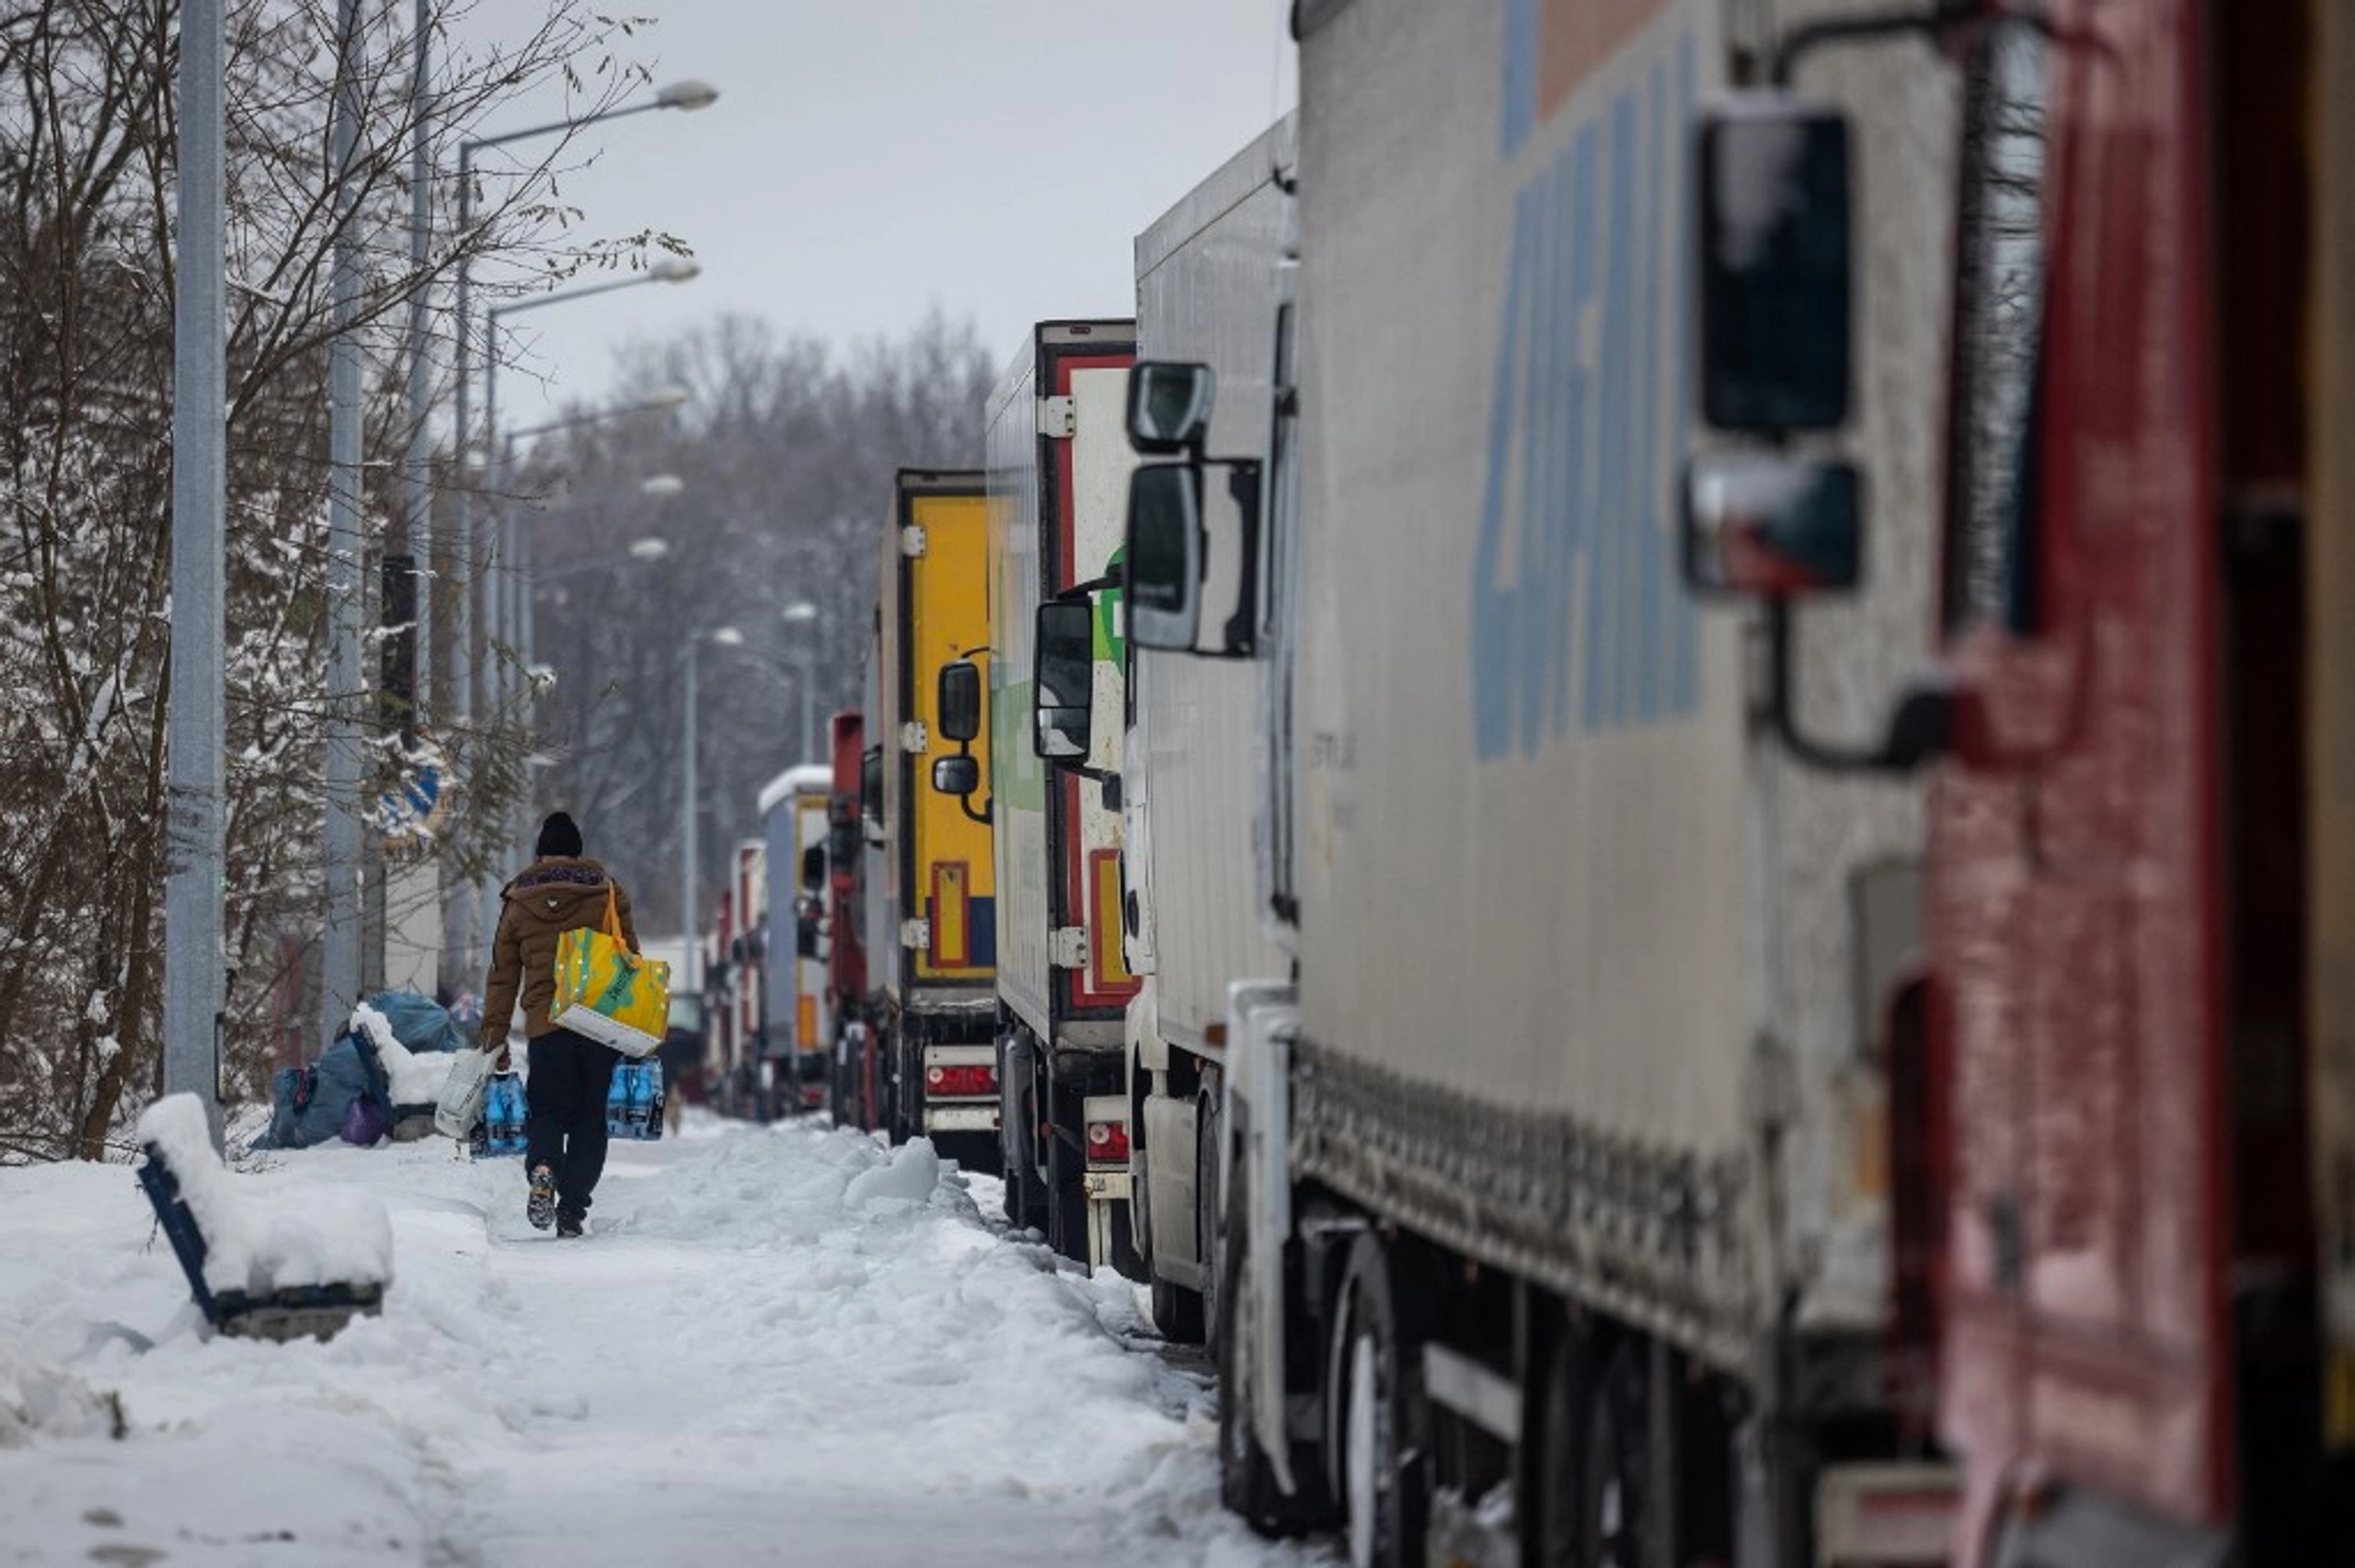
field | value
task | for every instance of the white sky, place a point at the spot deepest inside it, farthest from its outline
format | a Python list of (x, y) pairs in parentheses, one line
[(868, 158)]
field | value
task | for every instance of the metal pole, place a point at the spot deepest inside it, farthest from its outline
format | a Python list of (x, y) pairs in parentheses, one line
[(460, 971), (417, 508), (339, 979), (808, 730), (194, 981), (493, 596), (687, 917)]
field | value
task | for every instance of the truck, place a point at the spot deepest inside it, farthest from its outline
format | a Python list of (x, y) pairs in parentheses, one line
[(936, 933), (733, 1052), (1055, 485), (1206, 290), (796, 1024), (2129, 1048), (1553, 1192), (852, 1088)]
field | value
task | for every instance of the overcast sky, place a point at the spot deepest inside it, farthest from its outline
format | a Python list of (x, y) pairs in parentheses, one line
[(869, 158)]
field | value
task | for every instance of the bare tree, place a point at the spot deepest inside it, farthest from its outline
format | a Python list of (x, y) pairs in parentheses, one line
[(86, 147)]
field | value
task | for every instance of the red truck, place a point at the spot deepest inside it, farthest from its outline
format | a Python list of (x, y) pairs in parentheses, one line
[(853, 1088), (2123, 1085)]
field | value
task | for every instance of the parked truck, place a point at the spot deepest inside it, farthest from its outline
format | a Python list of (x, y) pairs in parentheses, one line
[(935, 1006), (1553, 1179), (2128, 1057), (853, 1088), (796, 1026), (1206, 291), (1056, 486)]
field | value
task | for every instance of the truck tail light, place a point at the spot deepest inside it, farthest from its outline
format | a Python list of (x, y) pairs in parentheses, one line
[(1108, 1143), (981, 1079)]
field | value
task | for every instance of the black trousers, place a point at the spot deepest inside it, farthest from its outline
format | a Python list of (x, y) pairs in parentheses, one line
[(565, 1128)]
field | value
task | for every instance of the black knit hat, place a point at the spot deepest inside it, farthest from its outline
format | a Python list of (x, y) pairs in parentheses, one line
[(559, 835)]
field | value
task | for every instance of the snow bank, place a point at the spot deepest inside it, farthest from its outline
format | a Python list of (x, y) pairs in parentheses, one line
[(37, 1401), (909, 1176), (412, 1077), (261, 1242)]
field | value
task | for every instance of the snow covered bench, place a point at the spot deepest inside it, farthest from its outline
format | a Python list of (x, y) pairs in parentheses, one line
[(261, 1266)]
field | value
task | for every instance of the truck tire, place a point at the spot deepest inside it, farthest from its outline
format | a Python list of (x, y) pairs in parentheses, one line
[(1616, 1511), (1377, 1437)]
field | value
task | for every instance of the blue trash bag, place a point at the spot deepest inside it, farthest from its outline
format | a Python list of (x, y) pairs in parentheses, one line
[(419, 1021), (310, 1103)]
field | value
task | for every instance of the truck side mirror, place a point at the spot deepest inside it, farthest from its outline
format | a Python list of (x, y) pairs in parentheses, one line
[(1770, 527), (956, 775), (1775, 272), (1170, 405), (1165, 556), (1064, 681), (960, 701), (813, 867)]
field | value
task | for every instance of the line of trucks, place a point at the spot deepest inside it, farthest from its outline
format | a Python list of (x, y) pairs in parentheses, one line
[(1402, 808)]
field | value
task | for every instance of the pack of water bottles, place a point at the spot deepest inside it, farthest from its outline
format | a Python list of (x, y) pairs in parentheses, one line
[(634, 1102), (502, 1117)]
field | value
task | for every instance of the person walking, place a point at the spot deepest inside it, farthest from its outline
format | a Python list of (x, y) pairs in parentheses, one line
[(570, 1074)]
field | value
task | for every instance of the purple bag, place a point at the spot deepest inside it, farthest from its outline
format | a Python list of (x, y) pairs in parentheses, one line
[(366, 1124)]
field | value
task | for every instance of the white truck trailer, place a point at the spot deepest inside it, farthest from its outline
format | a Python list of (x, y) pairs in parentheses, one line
[(1206, 292), (1554, 1167)]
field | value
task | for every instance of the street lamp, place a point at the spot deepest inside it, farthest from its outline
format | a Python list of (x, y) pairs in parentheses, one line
[(690, 923), (687, 97), (798, 614)]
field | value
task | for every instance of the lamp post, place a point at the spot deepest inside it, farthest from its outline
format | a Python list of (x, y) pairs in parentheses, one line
[(684, 96), (666, 270), (662, 399), (724, 637), (802, 616), (506, 541), (193, 983), (687, 97)]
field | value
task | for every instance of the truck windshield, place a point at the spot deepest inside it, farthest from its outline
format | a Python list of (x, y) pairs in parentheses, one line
[(1999, 329)]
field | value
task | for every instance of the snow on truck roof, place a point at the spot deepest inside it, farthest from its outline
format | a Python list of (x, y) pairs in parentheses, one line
[(807, 778)]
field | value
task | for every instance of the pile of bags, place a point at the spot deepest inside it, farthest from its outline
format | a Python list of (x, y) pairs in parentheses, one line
[(380, 1077)]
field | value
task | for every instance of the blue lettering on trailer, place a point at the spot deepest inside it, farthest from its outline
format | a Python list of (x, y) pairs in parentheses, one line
[(1575, 614)]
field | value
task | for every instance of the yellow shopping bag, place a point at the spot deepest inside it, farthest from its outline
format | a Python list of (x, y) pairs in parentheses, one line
[(607, 992)]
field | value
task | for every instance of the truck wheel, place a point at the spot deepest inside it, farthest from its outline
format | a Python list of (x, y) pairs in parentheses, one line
[(1616, 1509), (1373, 1408)]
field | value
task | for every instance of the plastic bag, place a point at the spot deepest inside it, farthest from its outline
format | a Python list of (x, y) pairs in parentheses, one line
[(505, 1112), (634, 1101), (608, 993), (460, 1103), (366, 1123)]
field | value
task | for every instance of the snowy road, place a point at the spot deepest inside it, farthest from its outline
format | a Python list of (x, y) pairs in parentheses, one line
[(776, 1345)]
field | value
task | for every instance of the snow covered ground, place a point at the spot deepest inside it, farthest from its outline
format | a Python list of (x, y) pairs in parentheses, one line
[(776, 1345)]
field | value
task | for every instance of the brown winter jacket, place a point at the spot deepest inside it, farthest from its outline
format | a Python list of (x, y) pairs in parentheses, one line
[(553, 895)]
